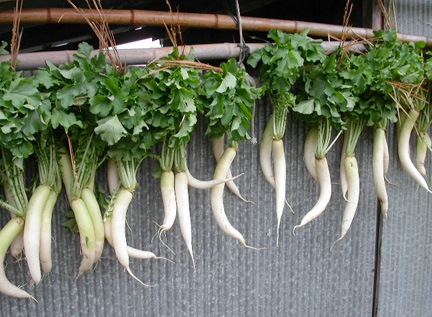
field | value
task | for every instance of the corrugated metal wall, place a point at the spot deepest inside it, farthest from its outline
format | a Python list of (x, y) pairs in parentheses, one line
[(406, 269)]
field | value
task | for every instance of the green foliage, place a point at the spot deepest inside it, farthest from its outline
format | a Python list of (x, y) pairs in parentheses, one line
[(228, 101), (371, 75), (283, 61)]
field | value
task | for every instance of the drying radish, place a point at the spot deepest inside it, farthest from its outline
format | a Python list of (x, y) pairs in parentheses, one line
[(281, 65), (228, 102)]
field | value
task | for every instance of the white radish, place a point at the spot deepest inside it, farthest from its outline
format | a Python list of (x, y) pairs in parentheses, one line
[(403, 148), (17, 245), (7, 235), (379, 170), (87, 235), (266, 153), (95, 214), (112, 176), (309, 152), (386, 157), (183, 212), (353, 181), (132, 252), (280, 181), (169, 200), (343, 177), (32, 230), (45, 233), (218, 151), (118, 224), (217, 204), (323, 174), (423, 144), (199, 184)]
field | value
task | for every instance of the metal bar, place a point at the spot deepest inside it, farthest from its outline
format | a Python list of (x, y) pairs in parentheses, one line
[(196, 20), (30, 61)]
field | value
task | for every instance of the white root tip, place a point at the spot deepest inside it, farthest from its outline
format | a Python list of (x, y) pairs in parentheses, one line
[(295, 227), (277, 233), (137, 279), (388, 181), (165, 259), (344, 197), (160, 231), (245, 200), (289, 206)]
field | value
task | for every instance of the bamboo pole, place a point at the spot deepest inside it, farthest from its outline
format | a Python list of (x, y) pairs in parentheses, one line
[(31, 61), (195, 20)]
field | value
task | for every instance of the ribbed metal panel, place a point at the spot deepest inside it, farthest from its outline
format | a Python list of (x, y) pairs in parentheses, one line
[(406, 270), (413, 16), (303, 277)]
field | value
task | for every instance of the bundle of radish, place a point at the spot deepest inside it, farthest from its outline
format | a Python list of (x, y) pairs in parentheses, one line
[(24, 116), (372, 77), (81, 104), (227, 104), (281, 66), (125, 129), (175, 83), (324, 97)]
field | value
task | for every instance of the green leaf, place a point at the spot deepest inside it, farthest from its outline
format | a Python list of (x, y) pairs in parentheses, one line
[(110, 130), (229, 82), (305, 107)]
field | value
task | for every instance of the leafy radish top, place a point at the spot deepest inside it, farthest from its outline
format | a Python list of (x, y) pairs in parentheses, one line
[(228, 101)]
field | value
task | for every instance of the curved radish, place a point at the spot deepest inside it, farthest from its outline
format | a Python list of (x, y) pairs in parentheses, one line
[(309, 151), (280, 180), (423, 144), (182, 198), (353, 181), (87, 235), (169, 200), (199, 184), (343, 176), (218, 151), (95, 214), (323, 174), (266, 153), (45, 233), (403, 148), (123, 199), (32, 230), (378, 169), (132, 252), (7, 235), (218, 209)]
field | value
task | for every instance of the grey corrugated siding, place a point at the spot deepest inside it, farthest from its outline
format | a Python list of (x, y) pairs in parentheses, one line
[(406, 269), (301, 277)]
